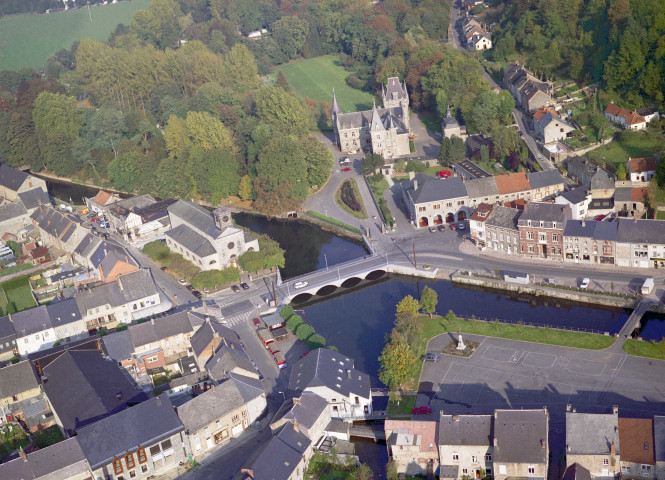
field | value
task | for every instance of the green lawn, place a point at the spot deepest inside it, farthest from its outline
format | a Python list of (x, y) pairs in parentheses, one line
[(645, 349), (14, 269), (379, 188), (315, 78), (400, 404), (633, 144), (431, 120), (27, 39), (175, 262), (48, 436), (334, 221), (16, 296), (661, 215)]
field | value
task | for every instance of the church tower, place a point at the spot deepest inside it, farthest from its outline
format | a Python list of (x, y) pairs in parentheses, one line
[(377, 131), (335, 111)]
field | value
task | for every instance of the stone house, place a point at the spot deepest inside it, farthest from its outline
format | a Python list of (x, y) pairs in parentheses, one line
[(631, 201), (61, 461), (465, 446), (640, 243), (501, 230), (642, 169), (209, 338), (136, 443), (68, 324), (637, 448), (384, 131), (578, 199), (227, 360), (413, 446), (100, 202), (221, 413), (541, 230), (628, 119), (513, 186), (17, 383), (482, 190), (598, 181), (450, 127), (14, 181), (13, 217), (521, 447), (528, 90), (34, 329), (309, 413), (122, 217), (546, 184), (58, 229), (590, 242), (592, 441), (433, 201), (291, 447), (332, 375), (550, 127), (209, 240), (659, 444), (477, 224)]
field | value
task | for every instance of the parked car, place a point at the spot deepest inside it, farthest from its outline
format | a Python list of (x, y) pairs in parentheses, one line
[(431, 357), (441, 228), (235, 288), (444, 173), (300, 285), (197, 294), (244, 286), (585, 283), (347, 169), (94, 219), (164, 269), (432, 229), (453, 226), (345, 161), (182, 281), (257, 322), (461, 226), (422, 410), (600, 218), (105, 234)]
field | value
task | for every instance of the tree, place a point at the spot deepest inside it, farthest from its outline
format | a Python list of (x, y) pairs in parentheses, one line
[(281, 171), (304, 331), (270, 255), (159, 24), (283, 111), (316, 341), (452, 150), (391, 470), (319, 160), (484, 153), (408, 307), (397, 360), (199, 129), (286, 312), (660, 173), (621, 172), (294, 322), (214, 173), (123, 170), (290, 34), (372, 162), (245, 188), (428, 301), (241, 70), (361, 472)]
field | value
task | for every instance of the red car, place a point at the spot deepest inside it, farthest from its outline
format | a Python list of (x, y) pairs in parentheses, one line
[(347, 169), (422, 410), (257, 322), (94, 219), (453, 226), (444, 173), (600, 218)]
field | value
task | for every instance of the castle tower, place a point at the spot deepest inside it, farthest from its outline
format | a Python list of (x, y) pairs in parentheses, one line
[(222, 218), (377, 131)]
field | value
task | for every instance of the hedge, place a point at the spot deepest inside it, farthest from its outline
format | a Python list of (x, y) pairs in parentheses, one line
[(294, 322), (286, 312), (213, 278), (270, 255), (304, 331)]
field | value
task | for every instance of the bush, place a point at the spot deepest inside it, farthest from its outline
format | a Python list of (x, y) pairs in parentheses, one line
[(294, 322), (121, 328), (213, 278), (412, 147), (15, 359), (416, 166), (304, 331), (333, 348), (316, 341), (156, 250), (349, 196), (270, 255), (286, 312)]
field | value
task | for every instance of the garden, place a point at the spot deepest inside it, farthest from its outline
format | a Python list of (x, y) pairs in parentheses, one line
[(16, 296), (12, 437), (348, 198)]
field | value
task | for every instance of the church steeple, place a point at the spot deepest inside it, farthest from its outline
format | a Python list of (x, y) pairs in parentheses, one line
[(376, 119), (448, 112), (335, 110)]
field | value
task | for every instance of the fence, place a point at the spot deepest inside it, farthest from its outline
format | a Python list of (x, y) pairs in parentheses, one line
[(376, 203), (529, 324)]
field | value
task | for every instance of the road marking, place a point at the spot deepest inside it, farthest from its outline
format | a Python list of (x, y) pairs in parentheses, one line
[(539, 360)]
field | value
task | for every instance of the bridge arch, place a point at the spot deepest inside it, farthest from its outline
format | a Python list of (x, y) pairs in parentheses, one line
[(326, 290), (351, 282), (375, 274), (301, 298)]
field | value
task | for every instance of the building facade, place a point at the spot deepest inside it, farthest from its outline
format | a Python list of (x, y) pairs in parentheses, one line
[(541, 230)]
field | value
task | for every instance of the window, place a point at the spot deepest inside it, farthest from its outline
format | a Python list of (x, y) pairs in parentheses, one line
[(132, 474), (606, 461), (235, 418), (555, 237), (532, 469), (529, 236), (465, 471), (530, 248), (474, 459), (140, 454), (488, 457), (488, 470), (646, 468), (625, 469), (166, 444), (455, 457), (117, 466), (646, 445), (244, 413), (542, 237), (144, 468), (129, 460)]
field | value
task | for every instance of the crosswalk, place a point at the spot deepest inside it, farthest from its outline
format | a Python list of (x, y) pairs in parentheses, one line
[(237, 319)]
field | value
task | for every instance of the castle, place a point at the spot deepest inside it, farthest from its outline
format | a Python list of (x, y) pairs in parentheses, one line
[(380, 130)]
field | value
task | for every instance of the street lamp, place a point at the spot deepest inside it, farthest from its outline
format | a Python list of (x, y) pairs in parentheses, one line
[(326, 259)]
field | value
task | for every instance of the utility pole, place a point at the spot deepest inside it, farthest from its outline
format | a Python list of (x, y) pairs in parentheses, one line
[(415, 264), (274, 295), (326, 258)]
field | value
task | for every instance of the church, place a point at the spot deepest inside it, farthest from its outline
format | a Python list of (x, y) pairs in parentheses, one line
[(380, 130)]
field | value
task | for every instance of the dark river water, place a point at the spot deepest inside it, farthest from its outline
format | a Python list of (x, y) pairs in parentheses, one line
[(653, 326)]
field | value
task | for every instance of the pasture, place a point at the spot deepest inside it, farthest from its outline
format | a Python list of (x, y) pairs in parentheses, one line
[(26, 40), (315, 78)]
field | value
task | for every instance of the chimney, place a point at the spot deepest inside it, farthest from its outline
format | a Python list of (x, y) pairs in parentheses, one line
[(411, 175), (615, 409), (567, 448), (583, 223), (440, 413), (415, 184), (542, 443), (496, 442), (212, 387), (248, 471), (348, 373), (152, 320), (158, 401), (215, 334), (233, 346), (455, 418), (569, 407), (574, 410), (118, 396), (613, 450), (297, 401)]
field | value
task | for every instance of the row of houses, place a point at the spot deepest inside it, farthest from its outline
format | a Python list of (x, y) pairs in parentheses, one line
[(514, 444), (547, 230), (476, 35), (529, 91), (630, 119), (434, 201)]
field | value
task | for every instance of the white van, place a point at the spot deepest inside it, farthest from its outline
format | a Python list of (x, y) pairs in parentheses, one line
[(345, 161), (647, 286)]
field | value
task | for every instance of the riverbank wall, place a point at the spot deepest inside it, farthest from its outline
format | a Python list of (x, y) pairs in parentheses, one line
[(613, 301)]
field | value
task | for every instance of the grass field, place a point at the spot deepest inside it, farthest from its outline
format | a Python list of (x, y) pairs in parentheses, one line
[(315, 78), (641, 348), (26, 40), (15, 296), (634, 145), (176, 264)]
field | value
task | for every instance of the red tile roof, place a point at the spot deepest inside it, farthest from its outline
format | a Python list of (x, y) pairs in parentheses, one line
[(519, 204), (634, 435), (639, 194), (630, 117), (38, 252), (482, 212), (512, 183), (426, 429), (104, 198), (643, 164), (542, 111)]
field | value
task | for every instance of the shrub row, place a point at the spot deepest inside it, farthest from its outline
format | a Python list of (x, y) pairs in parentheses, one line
[(349, 197), (303, 331)]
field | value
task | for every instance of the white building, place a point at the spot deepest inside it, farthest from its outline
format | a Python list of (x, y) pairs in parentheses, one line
[(578, 200), (642, 169)]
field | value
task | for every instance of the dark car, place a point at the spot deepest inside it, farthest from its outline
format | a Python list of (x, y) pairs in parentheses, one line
[(164, 269), (422, 410), (105, 234), (431, 357), (441, 228), (235, 288), (197, 294), (244, 286)]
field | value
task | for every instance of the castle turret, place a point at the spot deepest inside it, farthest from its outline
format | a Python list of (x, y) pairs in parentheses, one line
[(335, 110), (377, 124)]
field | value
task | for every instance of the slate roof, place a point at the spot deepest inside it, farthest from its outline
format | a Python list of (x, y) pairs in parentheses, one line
[(204, 335), (449, 120), (31, 321), (519, 434), (191, 240), (118, 345), (196, 216), (600, 179), (33, 198), (432, 189), (325, 367), (512, 183), (59, 461), (466, 430), (63, 312), (546, 212), (137, 285), (636, 436), (504, 217), (640, 231), (659, 437), (227, 359), (11, 210), (161, 328), (592, 433), (364, 119), (282, 456), (107, 294), (393, 86), (482, 187), (576, 195), (643, 164), (305, 409), (155, 210), (12, 178), (87, 244), (549, 118), (96, 381), (547, 178), (17, 378), (622, 194), (141, 425), (113, 257), (57, 224), (123, 208), (6, 329), (102, 250), (591, 229), (216, 403), (576, 472)]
